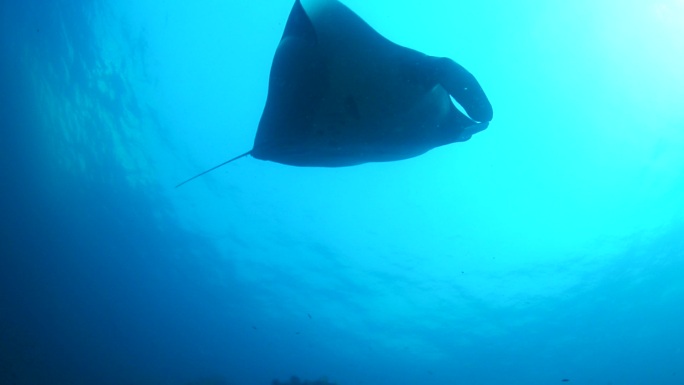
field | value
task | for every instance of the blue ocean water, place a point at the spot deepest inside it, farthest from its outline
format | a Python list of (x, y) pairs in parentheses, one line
[(548, 249)]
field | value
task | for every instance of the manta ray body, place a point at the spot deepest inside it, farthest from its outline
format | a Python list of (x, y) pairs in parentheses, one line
[(341, 94)]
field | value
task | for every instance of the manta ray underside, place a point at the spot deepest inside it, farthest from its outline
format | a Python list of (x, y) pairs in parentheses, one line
[(340, 94)]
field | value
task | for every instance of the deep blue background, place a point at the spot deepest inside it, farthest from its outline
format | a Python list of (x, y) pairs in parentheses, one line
[(548, 247)]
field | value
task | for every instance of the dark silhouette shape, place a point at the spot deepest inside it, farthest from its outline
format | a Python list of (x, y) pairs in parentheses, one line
[(340, 94)]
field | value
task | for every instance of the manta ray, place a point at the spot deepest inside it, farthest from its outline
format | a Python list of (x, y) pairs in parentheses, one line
[(341, 94)]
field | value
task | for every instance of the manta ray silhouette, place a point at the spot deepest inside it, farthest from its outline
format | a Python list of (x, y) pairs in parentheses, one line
[(340, 94)]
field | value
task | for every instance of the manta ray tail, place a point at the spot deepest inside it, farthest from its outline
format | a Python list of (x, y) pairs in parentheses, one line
[(214, 168)]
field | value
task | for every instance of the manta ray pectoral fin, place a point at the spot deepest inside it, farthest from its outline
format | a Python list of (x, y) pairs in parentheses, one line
[(214, 168)]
